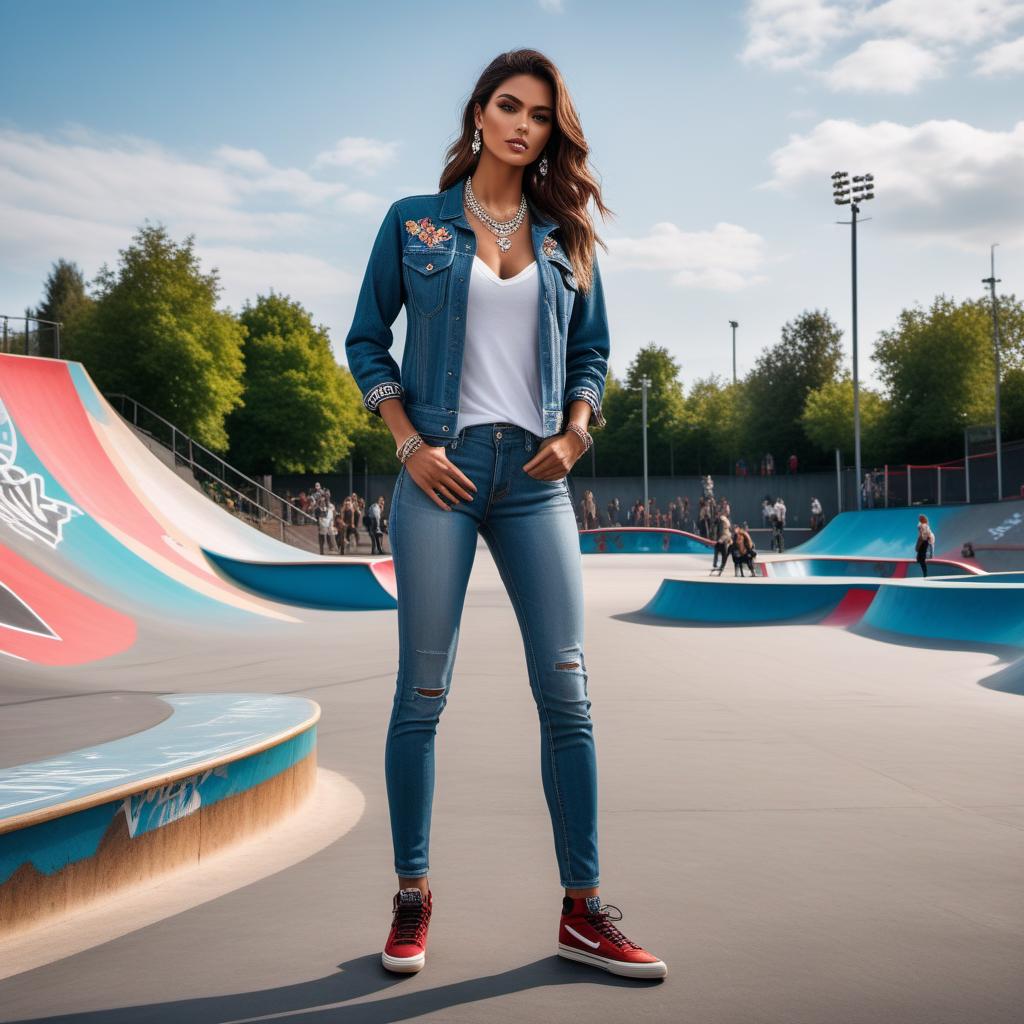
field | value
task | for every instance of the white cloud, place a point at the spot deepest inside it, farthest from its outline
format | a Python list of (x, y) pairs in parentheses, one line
[(82, 196), (366, 155), (943, 21), (244, 159), (786, 34), (938, 180), (884, 65), (891, 46), (1006, 58), (552, 6), (725, 258), (247, 272)]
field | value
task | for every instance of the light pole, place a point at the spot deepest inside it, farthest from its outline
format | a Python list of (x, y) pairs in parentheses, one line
[(843, 195), (733, 324), (645, 383), (992, 281)]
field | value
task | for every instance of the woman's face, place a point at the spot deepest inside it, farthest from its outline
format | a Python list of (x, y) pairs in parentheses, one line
[(519, 108)]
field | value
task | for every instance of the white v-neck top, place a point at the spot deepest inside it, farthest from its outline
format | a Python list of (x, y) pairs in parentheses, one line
[(501, 360)]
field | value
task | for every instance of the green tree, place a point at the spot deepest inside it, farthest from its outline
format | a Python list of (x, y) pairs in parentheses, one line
[(775, 391), (621, 444), (297, 414), (938, 367), (711, 433), (828, 419), (64, 303), (154, 333)]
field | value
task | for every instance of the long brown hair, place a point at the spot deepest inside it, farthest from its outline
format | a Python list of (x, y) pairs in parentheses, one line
[(566, 190)]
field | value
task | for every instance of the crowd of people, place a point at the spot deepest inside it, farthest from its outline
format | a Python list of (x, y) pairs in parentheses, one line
[(338, 528), (682, 515)]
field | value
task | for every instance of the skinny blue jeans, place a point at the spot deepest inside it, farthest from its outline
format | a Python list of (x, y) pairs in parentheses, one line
[(530, 528)]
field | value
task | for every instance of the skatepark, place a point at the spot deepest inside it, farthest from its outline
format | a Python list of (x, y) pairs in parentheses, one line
[(819, 770)]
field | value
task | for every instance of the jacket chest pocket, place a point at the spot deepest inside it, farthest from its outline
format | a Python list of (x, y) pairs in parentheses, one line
[(568, 289), (427, 273)]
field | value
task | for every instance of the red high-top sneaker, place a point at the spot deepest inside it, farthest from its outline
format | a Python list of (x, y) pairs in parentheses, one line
[(406, 949), (586, 934)]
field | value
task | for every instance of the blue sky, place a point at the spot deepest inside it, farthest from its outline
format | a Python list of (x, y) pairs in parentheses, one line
[(279, 133)]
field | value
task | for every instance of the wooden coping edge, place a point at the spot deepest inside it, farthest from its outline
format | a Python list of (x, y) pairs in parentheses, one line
[(82, 803), (30, 896)]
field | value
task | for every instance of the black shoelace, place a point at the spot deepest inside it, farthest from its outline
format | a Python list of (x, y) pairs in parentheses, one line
[(601, 922), (411, 920)]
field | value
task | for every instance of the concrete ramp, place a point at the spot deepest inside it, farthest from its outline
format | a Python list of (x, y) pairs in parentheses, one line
[(80, 492)]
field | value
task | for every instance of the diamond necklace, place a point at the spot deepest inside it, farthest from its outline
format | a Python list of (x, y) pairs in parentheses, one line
[(501, 228)]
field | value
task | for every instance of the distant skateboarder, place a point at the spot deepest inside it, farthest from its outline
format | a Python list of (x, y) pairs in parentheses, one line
[(925, 545)]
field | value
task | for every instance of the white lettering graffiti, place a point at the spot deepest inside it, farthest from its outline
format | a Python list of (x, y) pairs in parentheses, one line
[(1000, 531), (161, 805), (24, 504)]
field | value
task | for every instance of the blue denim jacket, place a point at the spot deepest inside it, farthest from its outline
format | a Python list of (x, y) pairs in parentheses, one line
[(422, 258)]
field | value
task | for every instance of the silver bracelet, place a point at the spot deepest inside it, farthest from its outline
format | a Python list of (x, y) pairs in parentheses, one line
[(408, 446), (584, 435)]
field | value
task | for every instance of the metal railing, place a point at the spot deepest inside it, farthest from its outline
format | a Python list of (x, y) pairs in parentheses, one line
[(254, 502)]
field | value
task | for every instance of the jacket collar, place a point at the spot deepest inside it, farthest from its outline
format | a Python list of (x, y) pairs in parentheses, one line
[(452, 209)]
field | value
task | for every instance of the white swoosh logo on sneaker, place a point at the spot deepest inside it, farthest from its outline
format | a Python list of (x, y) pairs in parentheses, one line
[(572, 931)]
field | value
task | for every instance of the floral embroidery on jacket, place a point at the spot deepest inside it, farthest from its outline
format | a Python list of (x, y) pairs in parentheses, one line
[(549, 246), (425, 231)]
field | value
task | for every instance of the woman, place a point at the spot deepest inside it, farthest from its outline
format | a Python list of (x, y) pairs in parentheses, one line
[(487, 423), (588, 511), (351, 524), (326, 532), (925, 543)]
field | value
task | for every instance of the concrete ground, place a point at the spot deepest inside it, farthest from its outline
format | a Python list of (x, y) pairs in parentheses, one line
[(806, 824)]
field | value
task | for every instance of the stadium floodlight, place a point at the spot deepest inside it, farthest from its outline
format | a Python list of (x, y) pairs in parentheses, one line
[(845, 194), (841, 188)]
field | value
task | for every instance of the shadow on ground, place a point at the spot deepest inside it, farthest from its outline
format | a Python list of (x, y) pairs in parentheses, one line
[(319, 1000)]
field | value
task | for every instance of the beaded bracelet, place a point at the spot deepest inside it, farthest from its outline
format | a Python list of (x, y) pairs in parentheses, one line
[(584, 435)]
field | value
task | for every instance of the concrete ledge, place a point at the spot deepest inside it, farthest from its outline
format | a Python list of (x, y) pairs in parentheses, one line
[(84, 825), (748, 601)]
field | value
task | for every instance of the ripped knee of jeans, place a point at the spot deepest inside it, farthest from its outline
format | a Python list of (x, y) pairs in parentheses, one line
[(573, 659), (430, 693)]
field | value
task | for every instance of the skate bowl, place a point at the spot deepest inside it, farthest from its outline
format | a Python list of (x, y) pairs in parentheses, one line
[(995, 531), (642, 540), (80, 483), (884, 568), (761, 601), (80, 826)]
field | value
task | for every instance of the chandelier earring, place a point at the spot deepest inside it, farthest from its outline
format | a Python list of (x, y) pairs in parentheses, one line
[(542, 167), (476, 141)]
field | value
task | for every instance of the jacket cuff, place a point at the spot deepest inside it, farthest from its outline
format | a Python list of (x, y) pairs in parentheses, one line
[(377, 394), (592, 398)]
